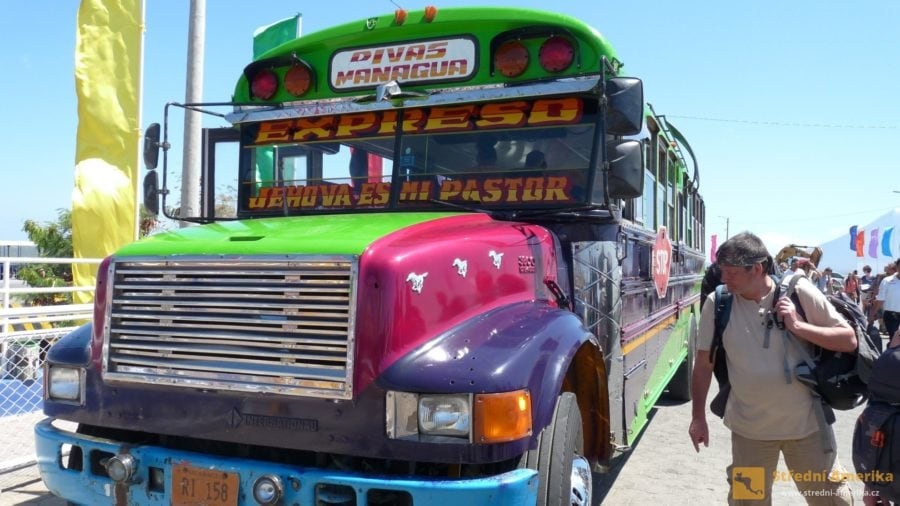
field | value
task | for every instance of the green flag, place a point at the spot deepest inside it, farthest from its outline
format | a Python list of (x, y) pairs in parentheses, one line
[(279, 32)]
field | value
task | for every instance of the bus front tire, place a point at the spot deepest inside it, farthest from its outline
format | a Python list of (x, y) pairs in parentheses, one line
[(564, 474)]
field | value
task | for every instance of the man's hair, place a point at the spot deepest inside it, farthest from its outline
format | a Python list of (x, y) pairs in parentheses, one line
[(744, 250)]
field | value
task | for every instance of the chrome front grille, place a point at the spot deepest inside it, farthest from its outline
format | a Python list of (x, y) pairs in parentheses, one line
[(254, 324)]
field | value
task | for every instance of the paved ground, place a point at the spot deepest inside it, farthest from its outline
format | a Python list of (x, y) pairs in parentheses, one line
[(29, 490), (662, 468)]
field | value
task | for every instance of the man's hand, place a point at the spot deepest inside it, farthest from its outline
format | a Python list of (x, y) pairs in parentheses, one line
[(699, 433), (786, 309), (837, 338), (703, 372)]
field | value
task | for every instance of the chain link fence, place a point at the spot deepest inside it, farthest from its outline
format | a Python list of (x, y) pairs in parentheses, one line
[(26, 334)]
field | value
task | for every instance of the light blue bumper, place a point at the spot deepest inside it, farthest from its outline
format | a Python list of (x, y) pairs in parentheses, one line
[(86, 482)]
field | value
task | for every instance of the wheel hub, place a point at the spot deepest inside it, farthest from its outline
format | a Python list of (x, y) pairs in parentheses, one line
[(581, 482)]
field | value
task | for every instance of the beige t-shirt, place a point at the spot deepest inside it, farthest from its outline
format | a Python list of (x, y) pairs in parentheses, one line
[(762, 404)]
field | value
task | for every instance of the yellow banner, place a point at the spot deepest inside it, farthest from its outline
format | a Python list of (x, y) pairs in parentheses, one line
[(107, 83)]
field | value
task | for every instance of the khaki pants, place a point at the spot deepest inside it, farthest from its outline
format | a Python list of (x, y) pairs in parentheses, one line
[(754, 464)]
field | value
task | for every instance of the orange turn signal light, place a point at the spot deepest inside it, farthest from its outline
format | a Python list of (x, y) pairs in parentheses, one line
[(501, 417), (297, 80), (430, 13), (400, 16), (511, 58)]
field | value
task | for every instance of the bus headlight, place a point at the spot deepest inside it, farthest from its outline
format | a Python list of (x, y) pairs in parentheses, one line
[(65, 384), (481, 418), (445, 415)]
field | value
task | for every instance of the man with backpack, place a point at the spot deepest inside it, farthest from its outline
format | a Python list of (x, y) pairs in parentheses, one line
[(769, 411)]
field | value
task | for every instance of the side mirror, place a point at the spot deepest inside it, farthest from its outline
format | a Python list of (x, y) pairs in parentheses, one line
[(626, 171), (151, 146), (151, 192), (625, 96)]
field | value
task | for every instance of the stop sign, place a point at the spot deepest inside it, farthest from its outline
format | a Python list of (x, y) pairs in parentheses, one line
[(661, 261)]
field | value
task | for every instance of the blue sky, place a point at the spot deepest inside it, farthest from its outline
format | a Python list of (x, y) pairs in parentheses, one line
[(790, 107)]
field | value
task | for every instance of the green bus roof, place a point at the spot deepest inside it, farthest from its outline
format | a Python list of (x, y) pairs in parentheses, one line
[(481, 24)]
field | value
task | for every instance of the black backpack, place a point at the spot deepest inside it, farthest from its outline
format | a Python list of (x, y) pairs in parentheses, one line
[(876, 437), (839, 378), (717, 354)]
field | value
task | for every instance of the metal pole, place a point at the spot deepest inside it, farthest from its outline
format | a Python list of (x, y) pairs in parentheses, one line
[(727, 220), (190, 172)]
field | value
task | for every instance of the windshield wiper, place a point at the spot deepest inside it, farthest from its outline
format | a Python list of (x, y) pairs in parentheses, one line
[(493, 213), (568, 213), (556, 211)]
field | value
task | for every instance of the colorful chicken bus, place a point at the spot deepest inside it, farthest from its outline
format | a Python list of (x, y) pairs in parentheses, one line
[(444, 257)]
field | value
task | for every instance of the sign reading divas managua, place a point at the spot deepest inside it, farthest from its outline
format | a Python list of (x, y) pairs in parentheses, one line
[(407, 62)]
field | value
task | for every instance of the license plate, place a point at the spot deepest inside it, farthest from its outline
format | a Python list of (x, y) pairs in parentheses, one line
[(192, 486)]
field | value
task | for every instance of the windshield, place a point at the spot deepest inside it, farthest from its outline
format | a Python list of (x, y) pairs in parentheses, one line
[(505, 155)]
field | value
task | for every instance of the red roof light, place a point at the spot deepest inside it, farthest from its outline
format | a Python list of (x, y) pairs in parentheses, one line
[(264, 84), (556, 54)]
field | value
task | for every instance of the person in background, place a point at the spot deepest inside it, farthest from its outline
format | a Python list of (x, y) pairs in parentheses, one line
[(824, 282), (795, 266), (878, 309), (809, 269), (535, 160), (851, 286), (485, 155), (888, 299), (868, 287)]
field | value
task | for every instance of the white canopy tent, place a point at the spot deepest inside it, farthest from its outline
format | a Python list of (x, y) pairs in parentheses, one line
[(881, 246)]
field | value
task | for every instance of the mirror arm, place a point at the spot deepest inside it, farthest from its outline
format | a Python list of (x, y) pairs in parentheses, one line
[(604, 153)]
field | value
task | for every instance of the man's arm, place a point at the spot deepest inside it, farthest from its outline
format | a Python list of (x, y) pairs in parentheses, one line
[(700, 380), (836, 338), (839, 338)]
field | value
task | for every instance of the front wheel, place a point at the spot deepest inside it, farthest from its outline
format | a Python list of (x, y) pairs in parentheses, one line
[(564, 474)]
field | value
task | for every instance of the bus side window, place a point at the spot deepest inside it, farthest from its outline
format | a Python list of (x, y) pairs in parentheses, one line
[(647, 200)]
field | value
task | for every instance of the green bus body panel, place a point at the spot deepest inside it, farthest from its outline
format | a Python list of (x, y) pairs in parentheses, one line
[(316, 49), (342, 234), (673, 354)]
